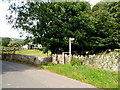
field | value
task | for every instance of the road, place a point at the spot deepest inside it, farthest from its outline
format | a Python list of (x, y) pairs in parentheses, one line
[(16, 75)]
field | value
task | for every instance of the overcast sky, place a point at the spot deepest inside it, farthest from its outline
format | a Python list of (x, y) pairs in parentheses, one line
[(5, 29)]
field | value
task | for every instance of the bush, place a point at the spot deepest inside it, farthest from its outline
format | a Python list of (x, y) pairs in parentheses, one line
[(76, 61), (49, 64)]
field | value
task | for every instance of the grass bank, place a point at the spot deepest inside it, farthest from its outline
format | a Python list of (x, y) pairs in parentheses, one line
[(32, 52), (94, 76)]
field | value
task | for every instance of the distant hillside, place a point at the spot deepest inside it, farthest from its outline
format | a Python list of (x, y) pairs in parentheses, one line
[(13, 38), (17, 39)]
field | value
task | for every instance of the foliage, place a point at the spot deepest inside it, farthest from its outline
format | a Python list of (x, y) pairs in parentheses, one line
[(28, 40), (14, 43), (76, 61), (53, 23), (21, 42), (106, 22), (5, 41), (48, 64)]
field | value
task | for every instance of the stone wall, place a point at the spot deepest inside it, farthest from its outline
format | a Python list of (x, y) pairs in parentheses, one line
[(109, 61), (60, 59), (27, 58)]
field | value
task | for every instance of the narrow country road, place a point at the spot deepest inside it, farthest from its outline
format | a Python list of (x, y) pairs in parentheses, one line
[(16, 75)]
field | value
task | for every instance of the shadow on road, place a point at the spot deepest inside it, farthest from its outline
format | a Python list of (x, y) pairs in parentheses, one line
[(16, 67)]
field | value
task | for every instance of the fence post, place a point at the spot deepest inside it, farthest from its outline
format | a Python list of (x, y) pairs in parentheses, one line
[(7, 50), (14, 51), (2, 50)]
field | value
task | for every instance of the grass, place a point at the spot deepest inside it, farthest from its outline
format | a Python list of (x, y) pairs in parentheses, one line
[(94, 76), (6, 47), (32, 52)]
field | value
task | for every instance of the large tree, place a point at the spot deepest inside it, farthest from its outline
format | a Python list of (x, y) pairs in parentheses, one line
[(106, 22), (53, 23)]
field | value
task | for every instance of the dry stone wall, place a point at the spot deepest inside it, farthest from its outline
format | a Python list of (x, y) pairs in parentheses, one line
[(109, 61), (27, 58)]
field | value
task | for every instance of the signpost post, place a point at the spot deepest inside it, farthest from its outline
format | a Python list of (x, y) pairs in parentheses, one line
[(70, 41)]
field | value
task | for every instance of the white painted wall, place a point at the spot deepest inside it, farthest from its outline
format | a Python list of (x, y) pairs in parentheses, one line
[(25, 46)]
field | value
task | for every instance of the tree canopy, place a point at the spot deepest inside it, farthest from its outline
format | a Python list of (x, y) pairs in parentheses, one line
[(5, 41), (106, 22), (53, 23), (14, 43)]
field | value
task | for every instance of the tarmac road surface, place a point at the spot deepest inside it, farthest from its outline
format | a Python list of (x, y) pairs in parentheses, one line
[(16, 75)]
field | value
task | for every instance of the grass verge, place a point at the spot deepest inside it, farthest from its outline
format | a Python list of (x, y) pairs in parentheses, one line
[(97, 77)]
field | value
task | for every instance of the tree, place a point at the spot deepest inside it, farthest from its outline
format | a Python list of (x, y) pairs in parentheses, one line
[(14, 43), (106, 24), (53, 23), (5, 41)]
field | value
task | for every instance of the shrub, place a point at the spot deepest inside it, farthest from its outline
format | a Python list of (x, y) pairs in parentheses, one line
[(76, 61), (49, 64)]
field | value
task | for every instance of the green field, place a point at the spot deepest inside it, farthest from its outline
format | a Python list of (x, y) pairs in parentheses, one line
[(94, 76), (32, 52)]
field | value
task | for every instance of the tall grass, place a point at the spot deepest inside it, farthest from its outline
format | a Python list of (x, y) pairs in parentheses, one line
[(97, 77)]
